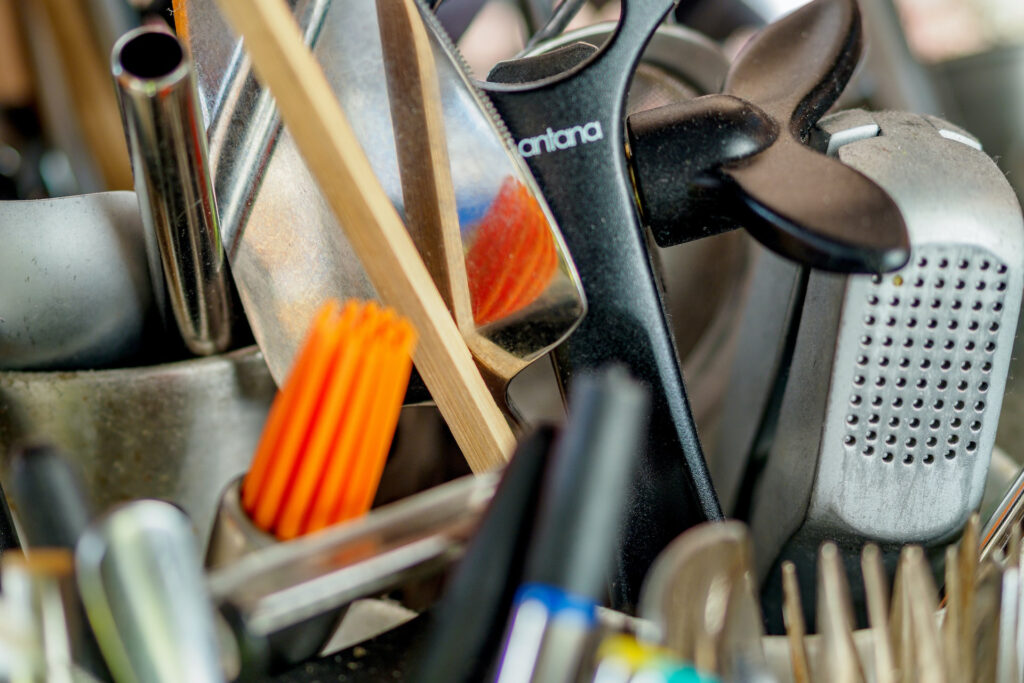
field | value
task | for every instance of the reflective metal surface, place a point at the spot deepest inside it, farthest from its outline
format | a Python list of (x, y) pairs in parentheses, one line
[(287, 252), (141, 582), (75, 289), (157, 92), (179, 431), (283, 585)]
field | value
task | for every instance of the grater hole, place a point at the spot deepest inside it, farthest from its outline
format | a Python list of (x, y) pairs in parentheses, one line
[(908, 459), (976, 306), (945, 365), (897, 402), (851, 420), (941, 384), (862, 360), (929, 458), (1000, 286), (883, 361), (957, 304), (955, 423), (876, 279), (969, 346), (894, 422), (971, 446), (940, 283), (994, 327), (973, 326), (888, 457), (876, 401), (912, 322), (904, 362), (976, 426), (865, 340), (922, 262), (966, 366), (901, 382), (858, 380), (986, 367), (997, 306), (855, 400), (914, 423), (919, 282), (961, 385), (887, 341), (950, 454), (874, 419), (952, 325), (943, 263), (880, 382), (925, 364), (915, 302), (962, 264), (872, 299), (890, 322), (979, 406), (923, 383), (869, 320), (959, 284), (990, 347), (928, 343), (933, 425), (953, 440), (958, 405), (871, 435), (868, 450), (938, 405), (849, 440), (895, 301), (985, 265), (980, 286), (910, 443), (918, 403), (936, 303), (932, 323), (1001, 269), (931, 441), (890, 439), (949, 345), (908, 342)]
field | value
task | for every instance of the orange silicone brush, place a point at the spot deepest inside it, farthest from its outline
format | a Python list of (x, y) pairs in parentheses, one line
[(513, 257), (323, 449)]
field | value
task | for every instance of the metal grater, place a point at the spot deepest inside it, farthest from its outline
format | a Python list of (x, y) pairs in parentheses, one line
[(888, 417)]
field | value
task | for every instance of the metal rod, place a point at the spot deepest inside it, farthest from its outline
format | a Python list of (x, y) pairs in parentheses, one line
[(156, 86)]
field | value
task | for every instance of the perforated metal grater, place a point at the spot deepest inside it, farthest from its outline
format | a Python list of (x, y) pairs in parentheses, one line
[(889, 413)]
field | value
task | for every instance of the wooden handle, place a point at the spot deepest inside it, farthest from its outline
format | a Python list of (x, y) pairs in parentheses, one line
[(372, 226), (414, 95)]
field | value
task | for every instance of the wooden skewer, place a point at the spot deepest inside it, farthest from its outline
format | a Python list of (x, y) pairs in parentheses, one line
[(796, 629), (835, 619), (428, 193), (877, 596), (372, 226)]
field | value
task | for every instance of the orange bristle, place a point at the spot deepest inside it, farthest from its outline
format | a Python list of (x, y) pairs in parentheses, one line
[(513, 257), (327, 437)]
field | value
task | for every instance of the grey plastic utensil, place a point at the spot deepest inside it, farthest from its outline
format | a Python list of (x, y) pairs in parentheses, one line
[(143, 588), (75, 288), (887, 422)]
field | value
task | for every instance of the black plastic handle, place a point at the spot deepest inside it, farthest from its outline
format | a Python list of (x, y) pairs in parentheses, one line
[(742, 158), (576, 150)]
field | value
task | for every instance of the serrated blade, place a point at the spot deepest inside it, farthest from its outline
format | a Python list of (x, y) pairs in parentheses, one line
[(287, 252)]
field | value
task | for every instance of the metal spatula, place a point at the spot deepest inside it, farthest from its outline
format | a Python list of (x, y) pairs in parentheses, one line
[(287, 252)]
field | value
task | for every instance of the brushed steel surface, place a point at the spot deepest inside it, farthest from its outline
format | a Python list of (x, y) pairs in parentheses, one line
[(178, 431)]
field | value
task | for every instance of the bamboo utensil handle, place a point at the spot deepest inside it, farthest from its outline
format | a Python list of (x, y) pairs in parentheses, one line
[(372, 226)]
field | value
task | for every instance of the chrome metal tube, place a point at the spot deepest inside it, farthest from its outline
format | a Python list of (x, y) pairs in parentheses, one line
[(156, 86)]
